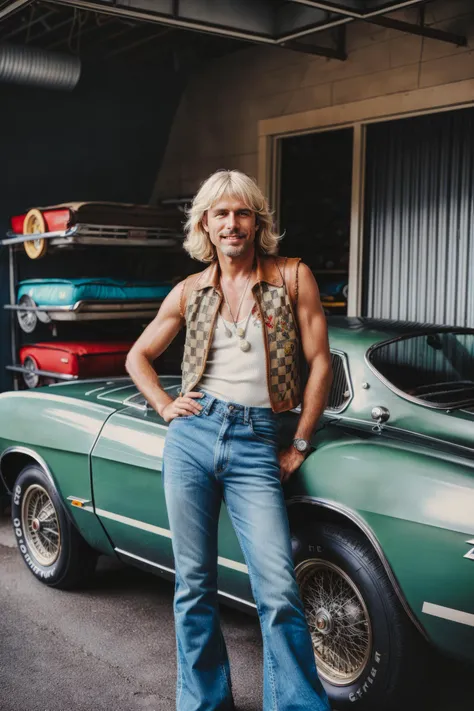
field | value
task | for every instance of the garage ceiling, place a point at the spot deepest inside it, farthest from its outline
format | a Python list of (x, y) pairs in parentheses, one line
[(291, 24)]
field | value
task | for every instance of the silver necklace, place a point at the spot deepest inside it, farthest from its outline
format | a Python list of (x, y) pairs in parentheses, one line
[(244, 345)]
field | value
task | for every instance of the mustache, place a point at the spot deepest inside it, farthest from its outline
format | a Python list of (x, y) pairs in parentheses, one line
[(233, 233)]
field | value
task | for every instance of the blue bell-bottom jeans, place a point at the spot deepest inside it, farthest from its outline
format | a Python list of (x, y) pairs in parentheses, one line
[(229, 452)]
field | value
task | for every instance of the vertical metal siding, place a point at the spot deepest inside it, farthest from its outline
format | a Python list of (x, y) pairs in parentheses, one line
[(419, 227)]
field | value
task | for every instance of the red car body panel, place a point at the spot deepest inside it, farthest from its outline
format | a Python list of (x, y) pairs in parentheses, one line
[(55, 221), (84, 359)]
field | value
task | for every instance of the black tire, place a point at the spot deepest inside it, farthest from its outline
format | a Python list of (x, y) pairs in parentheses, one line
[(49, 543), (371, 622)]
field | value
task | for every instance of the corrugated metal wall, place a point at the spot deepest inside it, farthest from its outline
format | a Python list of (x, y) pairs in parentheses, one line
[(419, 230)]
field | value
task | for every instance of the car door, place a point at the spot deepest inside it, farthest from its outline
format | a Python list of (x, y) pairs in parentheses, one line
[(127, 483)]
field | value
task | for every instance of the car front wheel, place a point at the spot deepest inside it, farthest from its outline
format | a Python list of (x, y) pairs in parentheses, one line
[(364, 644), (49, 543)]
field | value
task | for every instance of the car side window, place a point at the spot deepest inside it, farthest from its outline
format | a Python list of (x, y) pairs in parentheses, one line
[(341, 390)]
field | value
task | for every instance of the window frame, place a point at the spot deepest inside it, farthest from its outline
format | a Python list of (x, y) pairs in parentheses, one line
[(402, 393)]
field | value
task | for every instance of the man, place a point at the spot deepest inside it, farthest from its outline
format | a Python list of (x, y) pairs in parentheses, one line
[(247, 317)]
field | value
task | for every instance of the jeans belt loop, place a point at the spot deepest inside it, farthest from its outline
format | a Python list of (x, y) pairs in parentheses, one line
[(207, 407), (246, 415)]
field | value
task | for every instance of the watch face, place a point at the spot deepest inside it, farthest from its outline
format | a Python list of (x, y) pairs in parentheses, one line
[(301, 445)]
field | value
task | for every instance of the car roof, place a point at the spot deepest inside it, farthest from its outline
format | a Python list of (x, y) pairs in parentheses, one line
[(347, 331)]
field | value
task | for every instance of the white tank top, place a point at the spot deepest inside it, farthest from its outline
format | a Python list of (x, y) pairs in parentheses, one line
[(231, 374)]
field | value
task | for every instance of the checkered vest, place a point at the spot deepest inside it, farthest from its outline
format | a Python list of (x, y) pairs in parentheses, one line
[(281, 342)]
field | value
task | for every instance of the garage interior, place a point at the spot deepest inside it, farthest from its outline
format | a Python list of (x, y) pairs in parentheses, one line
[(106, 139)]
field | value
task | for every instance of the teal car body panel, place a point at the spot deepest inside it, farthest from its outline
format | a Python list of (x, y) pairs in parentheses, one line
[(407, 483), (60, 433)]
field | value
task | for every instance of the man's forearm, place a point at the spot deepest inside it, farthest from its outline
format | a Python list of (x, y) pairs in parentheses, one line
[(147, 381), (314, 398)]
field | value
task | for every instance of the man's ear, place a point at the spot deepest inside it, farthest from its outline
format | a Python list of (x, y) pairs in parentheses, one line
[(204, 222)]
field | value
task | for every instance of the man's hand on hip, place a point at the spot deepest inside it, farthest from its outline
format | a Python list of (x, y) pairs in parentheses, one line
[(290, 461), (183, 406)]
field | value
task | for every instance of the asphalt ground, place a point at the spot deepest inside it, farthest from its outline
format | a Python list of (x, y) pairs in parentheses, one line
[(111, 647)]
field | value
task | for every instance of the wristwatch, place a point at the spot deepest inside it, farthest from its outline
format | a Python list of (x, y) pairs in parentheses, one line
[(301, 445)]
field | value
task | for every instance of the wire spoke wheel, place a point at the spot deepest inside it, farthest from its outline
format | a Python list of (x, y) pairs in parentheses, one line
[(40, 525), (338, 620), (31, 378), (27, 319)]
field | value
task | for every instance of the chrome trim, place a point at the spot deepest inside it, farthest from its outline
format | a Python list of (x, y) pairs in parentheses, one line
[(166, 533), (109, 381), (345, 364), (448, 613), (86, 503), (401, 393), (109, 307), (14, 238), (46, 373), (396, 434), (89, 308), (104, 235), (144, 407), (104, 396), (145, 560), (29, 453), (470, 554), (173, 572), (361, 524), (157, 530)]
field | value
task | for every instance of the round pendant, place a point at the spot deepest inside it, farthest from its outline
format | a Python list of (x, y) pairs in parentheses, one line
[(240, 332), (244, 346)]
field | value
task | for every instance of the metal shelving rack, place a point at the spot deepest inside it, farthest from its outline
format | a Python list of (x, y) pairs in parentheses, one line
[(87, 235)]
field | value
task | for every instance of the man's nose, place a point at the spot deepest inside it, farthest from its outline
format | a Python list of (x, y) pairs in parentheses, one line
[(231, 220)]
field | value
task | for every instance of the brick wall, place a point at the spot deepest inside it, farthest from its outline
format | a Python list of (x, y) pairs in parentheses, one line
[(216, 125)]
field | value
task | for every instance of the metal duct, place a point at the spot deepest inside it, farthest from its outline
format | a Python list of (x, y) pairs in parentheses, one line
[(32, 66)]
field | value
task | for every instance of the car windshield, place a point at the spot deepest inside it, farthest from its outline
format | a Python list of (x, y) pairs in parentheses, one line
[(436, 368)]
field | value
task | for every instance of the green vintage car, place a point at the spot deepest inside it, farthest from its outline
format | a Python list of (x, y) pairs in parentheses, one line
[(382, 510)]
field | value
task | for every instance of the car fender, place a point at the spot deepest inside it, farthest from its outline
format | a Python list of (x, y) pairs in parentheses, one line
[(416, 505), (58, 433)]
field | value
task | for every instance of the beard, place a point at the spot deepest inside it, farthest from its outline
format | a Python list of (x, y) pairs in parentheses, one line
[(231, 250), (235, 250)]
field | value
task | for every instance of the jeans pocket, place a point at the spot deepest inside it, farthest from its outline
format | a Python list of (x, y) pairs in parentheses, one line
[(183, 417), (264, 429)]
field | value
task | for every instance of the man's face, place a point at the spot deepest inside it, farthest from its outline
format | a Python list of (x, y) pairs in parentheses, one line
[(231, 226)]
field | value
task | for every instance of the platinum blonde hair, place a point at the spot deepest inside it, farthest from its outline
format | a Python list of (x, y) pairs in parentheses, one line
[(237, 185)]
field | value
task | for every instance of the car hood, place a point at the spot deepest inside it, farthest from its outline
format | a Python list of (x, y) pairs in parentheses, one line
[(114, 392)]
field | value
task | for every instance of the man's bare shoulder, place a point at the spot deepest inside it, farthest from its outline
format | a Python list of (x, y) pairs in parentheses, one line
[(185, 286)]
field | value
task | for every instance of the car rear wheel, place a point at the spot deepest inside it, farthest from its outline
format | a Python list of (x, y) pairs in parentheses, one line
[(31, 378), (49, 543), (366, 648), (26, 318), (34, 224)]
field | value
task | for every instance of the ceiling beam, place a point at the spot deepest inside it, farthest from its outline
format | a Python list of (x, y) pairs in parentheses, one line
[(342, 16), (205, 28), (338, 52), (14, 7), (419, 29), (141, 41), (335, 7), (26, 25)]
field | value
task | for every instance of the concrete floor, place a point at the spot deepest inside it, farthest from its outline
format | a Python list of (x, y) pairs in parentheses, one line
[(111, 648)]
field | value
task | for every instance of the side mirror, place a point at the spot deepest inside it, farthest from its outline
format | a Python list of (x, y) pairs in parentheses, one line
[(380, 414)]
